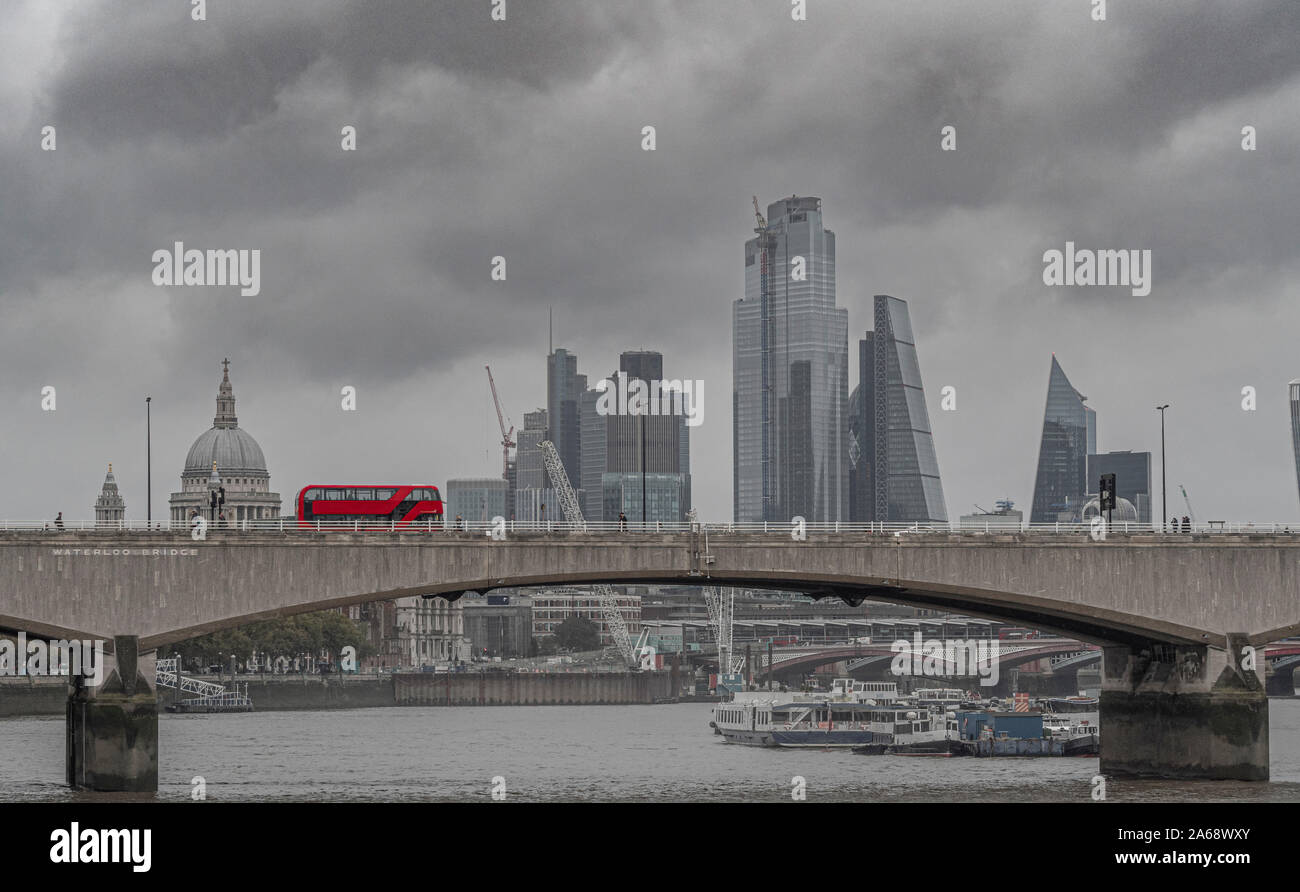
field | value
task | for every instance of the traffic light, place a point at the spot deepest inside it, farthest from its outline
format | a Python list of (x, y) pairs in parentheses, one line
[(1107, 490)]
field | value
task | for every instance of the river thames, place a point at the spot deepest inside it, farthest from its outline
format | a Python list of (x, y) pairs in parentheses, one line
[(663, 753)]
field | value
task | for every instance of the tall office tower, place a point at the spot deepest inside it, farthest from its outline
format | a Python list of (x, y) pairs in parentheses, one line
[(1068, 427), (530, 471), (896, 477), (531, 479), (1132, 472), (862, 437), (564, 388), (649, 442), (790, 372), (594, 436)]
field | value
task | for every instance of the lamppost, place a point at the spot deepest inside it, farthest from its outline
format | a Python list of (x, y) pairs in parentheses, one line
[(1164, 503), (148, 461), (643, 514)]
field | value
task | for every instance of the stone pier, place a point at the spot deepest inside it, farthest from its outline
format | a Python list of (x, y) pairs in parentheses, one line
[(112, 729), (1184, 712), (1281, 682)]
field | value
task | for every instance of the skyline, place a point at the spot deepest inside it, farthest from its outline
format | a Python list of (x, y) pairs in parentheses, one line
[(291, 492), (374, 266)]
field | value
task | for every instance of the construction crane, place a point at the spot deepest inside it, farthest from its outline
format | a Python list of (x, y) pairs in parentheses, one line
[(507, 436), (1188, 502), (573, 513)]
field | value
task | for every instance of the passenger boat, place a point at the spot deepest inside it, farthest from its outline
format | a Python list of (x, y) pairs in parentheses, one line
[(850, 714)]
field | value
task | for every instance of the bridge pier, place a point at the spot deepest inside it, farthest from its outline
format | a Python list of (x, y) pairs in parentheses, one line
[(112, 729), (1280, 682), (1183, 712)]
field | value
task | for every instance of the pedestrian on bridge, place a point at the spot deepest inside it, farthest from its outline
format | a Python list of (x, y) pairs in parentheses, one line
[(58, 521)]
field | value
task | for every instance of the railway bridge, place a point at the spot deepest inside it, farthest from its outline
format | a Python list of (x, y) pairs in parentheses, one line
[(1179, 617)]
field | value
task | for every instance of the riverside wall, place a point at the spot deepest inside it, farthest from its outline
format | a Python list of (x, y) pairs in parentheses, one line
[(28, 697)]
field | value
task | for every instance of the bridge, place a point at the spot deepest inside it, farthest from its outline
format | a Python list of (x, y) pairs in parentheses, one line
[(1179, 616), (1009, 653)]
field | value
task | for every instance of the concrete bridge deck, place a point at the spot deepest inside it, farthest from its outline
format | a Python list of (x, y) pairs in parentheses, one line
[(1179, 616), (164, 587)]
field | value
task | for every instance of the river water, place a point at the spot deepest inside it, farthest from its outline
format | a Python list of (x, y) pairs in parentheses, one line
[(575, 753)]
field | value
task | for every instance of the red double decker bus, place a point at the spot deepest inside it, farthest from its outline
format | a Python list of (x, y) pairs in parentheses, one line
[(373, 507)]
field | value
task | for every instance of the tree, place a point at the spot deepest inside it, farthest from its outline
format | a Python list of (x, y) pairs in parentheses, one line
[(578, 633), (308, 633)]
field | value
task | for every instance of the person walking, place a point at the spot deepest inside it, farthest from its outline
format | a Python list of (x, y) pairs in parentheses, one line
[(58, 521), (1187, 524), (622, 522)]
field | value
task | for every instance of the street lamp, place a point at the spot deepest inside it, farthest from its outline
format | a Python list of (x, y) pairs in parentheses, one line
[(148, 461), (1164, 503)]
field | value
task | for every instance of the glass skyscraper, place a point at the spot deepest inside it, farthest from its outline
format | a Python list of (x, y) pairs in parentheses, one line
[(790, 373), (656, 443), (564, 392), (1069, 433), (895, 470)]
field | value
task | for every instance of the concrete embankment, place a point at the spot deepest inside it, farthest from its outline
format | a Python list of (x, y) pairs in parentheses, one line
[(33, 696), (520, 688), (49, 696)]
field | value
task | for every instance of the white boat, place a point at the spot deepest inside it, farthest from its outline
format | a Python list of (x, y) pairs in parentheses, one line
[(852, 713)]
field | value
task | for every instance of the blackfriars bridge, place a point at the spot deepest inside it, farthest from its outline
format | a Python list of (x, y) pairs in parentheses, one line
[(1179, 617)]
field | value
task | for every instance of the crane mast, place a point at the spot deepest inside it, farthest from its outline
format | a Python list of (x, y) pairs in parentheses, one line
[(573, 513), (507, 436), (1190, 513)]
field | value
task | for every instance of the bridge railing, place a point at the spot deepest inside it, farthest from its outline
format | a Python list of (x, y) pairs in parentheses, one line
[(774, 528)]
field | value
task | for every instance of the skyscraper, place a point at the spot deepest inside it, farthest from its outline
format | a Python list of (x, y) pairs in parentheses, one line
[(532, 484), (594, 436), (790, 372), (1069, 428), (1295, 425), (564, 389), (649, 442), (895, 469)]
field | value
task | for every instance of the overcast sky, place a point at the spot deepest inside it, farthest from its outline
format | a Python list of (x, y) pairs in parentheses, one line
[(523, 139)]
